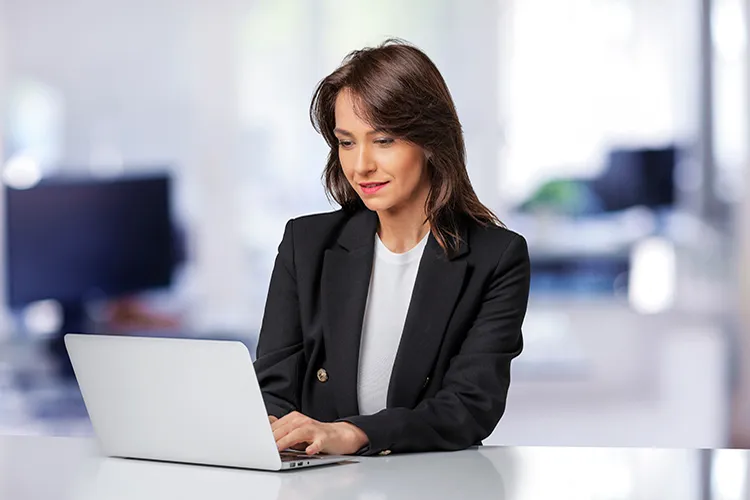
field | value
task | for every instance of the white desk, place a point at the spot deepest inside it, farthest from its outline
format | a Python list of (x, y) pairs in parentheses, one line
[(36, 468)]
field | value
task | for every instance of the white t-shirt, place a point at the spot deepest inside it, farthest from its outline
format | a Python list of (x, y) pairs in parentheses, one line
[(391, 285)]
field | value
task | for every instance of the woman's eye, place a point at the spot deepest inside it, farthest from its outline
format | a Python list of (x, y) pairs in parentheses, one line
[(345, 144), (384, 141)]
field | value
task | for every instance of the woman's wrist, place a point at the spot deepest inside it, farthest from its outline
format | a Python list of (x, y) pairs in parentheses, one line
[(357, 436)]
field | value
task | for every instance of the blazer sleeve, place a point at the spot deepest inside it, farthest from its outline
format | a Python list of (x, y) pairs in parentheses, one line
[(471, 401), (280, 355)]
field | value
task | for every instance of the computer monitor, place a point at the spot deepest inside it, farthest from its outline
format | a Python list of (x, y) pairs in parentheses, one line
[(76, 239), (640, 176)]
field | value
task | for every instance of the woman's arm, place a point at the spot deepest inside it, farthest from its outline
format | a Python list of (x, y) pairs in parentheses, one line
[(472, 399), (280, 357)]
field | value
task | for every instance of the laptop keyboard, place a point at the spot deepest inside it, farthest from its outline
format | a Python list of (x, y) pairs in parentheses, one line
[(293, 456)]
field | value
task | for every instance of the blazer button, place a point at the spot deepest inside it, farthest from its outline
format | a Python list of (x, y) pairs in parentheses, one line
[(322, 375), (384, 453)]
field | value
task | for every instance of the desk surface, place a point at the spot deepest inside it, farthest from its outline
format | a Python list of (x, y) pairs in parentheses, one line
[(34, 468)]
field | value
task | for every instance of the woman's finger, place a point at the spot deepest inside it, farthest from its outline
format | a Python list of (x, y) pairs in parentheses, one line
[(294, 416), (304, 434), (315, 447), (284, 430), (279, 431), (283, 420)]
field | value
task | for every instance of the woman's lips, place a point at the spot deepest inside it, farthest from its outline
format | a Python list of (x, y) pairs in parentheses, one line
[(372, 187)]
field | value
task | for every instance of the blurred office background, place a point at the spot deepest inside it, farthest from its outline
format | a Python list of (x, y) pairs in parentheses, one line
[(151, 153)]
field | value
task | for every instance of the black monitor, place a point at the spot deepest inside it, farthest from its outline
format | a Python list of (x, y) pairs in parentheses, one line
[(642, 176), (76, 239)]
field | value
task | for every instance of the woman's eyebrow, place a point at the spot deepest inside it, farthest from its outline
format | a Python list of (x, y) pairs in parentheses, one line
[(341, 131)]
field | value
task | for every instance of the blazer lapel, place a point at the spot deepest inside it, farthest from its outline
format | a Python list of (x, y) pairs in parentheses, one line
[(436, 290), (345, 284)]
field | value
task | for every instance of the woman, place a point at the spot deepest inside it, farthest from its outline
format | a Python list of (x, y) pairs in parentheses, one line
[(391, 323)]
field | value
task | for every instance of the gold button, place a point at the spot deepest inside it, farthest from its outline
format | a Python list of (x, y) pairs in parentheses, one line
[(322, 375), (384, 453)]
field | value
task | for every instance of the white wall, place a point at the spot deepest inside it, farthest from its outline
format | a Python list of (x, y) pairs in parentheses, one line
[(4, 331), (741, 414)]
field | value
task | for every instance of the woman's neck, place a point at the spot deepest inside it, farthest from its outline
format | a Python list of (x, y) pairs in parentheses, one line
[(401, 232)]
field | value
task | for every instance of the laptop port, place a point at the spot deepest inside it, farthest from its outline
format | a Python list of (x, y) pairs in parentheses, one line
[(292, 465), (299, 463)]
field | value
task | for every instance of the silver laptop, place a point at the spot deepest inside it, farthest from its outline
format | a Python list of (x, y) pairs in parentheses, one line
[(178, 400)]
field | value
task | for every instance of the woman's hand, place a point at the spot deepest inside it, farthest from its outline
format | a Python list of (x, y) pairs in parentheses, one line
[(298, 431)]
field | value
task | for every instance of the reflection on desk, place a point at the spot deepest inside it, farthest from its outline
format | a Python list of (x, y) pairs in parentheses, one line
[(37, 468), (131, 479)]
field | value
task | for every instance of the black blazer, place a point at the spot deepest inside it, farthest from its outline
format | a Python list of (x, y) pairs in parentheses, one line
[(452, 369)]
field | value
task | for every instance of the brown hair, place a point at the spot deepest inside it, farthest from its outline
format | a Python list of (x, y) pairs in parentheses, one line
[(398, 89)]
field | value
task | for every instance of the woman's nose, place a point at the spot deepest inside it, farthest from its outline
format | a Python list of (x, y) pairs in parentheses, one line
[(364, 163)]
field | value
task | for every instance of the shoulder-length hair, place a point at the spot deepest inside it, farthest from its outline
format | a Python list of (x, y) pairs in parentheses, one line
[(398, 89)]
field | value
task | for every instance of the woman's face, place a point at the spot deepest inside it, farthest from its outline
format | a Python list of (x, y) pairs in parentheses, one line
[(389, 174)]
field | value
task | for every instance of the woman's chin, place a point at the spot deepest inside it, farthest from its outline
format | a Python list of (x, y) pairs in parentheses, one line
[(376, 205)]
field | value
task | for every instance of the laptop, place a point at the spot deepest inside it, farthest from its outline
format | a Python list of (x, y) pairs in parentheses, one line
[(178, 400)]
